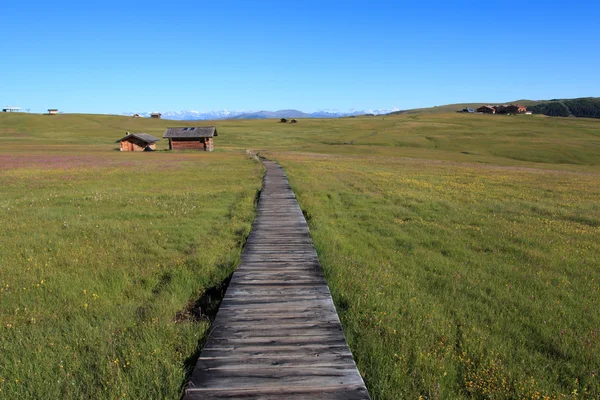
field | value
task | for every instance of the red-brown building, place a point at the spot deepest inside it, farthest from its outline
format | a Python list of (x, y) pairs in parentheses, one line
[(486, 110), (191, 137), (515, 109), (510, 109), (138, 142)]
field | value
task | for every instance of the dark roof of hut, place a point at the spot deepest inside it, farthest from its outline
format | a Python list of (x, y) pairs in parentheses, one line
[(191, 132), (144, 137)]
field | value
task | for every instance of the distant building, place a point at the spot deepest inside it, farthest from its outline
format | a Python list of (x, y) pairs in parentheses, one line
[(283, 120), (138, 142), (156, 115), (191, 137), (11, 109), (466, 110), (53, 111), (510, 109), (136, 115), (486, 110), (516, 109), (294, 121)]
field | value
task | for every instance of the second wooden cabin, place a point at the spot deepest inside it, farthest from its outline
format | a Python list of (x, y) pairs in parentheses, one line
[(191, 137), (138, 142)]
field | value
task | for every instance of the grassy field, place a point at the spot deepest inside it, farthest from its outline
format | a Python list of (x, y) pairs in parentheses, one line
[(456, 280), (101, 258), (462, 251)]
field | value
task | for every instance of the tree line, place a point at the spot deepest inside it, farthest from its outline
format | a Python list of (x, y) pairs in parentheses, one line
[(584, 108)]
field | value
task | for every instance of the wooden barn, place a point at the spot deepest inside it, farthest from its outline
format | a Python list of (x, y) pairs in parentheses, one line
[(191, 137), (155, 115), (514, 109), (486, 110), (138, 142)]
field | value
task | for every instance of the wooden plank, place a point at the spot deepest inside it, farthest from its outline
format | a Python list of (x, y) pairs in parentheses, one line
[(247, 352), (277, 291), (278, 377), (324, 360), (277, 334), (290, 329), (357, 392)]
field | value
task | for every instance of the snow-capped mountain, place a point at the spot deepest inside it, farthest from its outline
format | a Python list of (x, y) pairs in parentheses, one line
[(192, 114), (226, 114)]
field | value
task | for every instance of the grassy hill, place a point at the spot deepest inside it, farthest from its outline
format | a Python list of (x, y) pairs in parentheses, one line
[(461, 251), (515, 140), (588, 107), (447, 108)]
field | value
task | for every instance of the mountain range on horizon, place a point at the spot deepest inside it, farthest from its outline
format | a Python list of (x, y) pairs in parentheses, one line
[(291, 113), (576, 107)]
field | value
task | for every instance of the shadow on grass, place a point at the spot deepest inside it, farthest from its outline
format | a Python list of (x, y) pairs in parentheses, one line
[(203, 309), (207, 307)]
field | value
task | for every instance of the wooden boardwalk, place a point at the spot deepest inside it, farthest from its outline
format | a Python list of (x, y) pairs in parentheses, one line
[(277, 334)]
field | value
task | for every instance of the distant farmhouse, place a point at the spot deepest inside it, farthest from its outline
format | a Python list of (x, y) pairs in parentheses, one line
[(156, 115), (52, 111), (138, 142), (11, 109), (486, 110), (503, 109), (511, 109), (191, 137)]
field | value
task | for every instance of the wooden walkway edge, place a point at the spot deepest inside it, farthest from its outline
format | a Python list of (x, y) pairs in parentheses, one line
[(277, 334)]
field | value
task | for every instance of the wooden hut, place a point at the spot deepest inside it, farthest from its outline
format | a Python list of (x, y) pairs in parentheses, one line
[(138, 142), (293, 121), (514, 109), (486, 110), (156, 115), (191, 137)]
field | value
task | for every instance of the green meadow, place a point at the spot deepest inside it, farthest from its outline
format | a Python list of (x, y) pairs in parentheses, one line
[(462, 251)]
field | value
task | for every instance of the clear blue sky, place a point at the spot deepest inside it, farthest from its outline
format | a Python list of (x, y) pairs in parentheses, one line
[(113, 57)]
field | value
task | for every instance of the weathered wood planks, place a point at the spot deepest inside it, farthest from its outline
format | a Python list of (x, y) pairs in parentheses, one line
[(277, 334)]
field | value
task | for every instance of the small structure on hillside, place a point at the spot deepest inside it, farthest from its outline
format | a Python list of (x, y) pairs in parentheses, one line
[(510, 109), (293, 121), (52, 111), (156, 115), (136, 115), (466, 110), (486, 110), (283, 120), (191, 137), (11, 109), (138, 142)]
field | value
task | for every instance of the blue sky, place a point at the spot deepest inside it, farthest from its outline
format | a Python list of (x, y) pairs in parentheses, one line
[(113, 57)]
